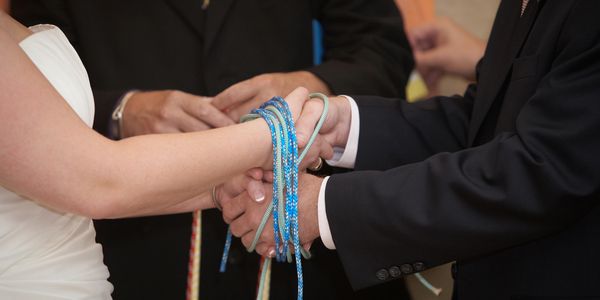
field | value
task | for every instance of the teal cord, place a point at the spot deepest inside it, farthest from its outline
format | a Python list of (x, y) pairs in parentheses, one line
[(283, 136), (282, 139), (429, 286)]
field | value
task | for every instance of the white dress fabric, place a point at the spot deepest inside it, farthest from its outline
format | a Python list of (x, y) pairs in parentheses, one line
[(45, 254)]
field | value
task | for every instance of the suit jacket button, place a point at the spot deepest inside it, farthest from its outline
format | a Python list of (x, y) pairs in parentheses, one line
[(395, 272), (419, 267), (382, 274), (406, 269)]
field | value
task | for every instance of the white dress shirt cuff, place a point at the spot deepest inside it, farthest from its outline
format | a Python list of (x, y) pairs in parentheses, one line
[(346, 157), (324, 230)]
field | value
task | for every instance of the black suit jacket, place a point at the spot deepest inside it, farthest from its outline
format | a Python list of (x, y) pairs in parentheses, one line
[(165, 44), (505, 180)]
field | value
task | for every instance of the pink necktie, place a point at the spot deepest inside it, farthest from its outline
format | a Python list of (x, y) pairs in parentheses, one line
[(524, 6)]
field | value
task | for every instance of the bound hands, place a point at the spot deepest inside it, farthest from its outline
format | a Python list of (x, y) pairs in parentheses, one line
[(244, 213), (240, 98)]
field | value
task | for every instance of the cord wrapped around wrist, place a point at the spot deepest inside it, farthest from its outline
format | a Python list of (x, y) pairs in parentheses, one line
[(284, 205)]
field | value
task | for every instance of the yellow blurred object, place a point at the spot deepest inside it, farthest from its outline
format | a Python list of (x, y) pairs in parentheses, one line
[(416, 89), (416, 12)]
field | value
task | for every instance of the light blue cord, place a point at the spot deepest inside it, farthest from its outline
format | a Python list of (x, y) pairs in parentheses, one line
[(284, 205), (225, 251)]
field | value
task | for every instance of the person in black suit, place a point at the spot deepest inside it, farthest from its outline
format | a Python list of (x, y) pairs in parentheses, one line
[(169, 58), (505, 179)]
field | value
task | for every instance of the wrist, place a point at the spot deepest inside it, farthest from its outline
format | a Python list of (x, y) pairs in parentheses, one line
[(117, 116), (261, 143), (344, 113), (308, 207)]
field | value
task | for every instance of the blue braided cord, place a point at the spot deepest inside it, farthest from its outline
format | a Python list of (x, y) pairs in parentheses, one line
[(284, 204), (277, 184), (225, 252)]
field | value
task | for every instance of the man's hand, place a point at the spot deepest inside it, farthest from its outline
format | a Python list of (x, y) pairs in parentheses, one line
[(241, 98), (334, 132), (169, 112), (443, 47), (244, 215)]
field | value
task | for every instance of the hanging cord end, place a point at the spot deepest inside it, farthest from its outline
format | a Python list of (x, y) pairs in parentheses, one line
[(436, 291), (223, 265)]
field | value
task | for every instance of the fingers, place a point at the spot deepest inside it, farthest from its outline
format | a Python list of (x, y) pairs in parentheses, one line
[(266, 249), (296, 100), (236, 185), (246, 107), (255, 173), (256, 190), (236, 94), (239, 227), (233, 209), (202, 109), (188, 123), (319, 149), (268, 176), (424, 37), (265, 238), (309, 117)]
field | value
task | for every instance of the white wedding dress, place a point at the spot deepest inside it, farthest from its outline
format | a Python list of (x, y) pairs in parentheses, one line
[(45, 254)]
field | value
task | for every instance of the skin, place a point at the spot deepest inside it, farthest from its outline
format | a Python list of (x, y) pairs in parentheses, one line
[(244, 214), (443, 47), (61, 163), (173, 111), (241, 98), (170, 111)]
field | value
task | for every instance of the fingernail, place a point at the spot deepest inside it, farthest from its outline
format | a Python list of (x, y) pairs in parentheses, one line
[(271, 253), (259, 196), (307, 247)]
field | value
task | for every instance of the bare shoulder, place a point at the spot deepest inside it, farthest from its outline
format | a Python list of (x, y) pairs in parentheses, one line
[(14, 29)]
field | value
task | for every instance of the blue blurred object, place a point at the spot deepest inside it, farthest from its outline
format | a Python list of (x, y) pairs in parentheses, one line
[(317, 42)]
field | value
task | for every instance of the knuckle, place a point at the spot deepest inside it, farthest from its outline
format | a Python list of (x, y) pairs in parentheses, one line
[(164, 113), (247, 240), (173, 95), (235, 229), (156, 127)]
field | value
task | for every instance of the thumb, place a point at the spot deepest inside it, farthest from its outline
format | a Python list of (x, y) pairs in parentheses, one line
[(256, 190), (235, 94), (255, 173)]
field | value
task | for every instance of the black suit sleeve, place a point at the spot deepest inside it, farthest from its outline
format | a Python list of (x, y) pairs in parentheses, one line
[(520, 186), (366, 50), (432, 126)]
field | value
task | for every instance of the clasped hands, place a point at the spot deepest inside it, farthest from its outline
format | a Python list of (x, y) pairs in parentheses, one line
[(245, 199)]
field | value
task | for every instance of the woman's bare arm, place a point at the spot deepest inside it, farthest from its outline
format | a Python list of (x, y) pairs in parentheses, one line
[(49, 155)]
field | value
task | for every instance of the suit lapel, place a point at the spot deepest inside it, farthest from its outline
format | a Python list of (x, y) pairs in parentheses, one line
[(214, 19), (508, 36), (189, 11)]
